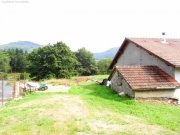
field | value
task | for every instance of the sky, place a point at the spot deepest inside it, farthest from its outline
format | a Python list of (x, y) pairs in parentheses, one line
[(94, 24)]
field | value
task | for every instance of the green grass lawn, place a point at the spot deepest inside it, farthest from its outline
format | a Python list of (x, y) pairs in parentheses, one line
[(104, 98), (88, 108)]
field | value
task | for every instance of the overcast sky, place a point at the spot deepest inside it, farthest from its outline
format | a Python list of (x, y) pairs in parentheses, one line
[(95, 24)]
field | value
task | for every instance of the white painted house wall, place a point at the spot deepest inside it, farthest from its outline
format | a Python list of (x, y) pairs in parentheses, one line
[(134, 55), (177, 77), (177, 74)]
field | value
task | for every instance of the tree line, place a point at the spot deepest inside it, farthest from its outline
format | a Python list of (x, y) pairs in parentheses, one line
[(52, 61)]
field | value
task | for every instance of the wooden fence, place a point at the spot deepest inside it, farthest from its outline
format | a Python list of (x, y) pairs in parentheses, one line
[(10, 87)]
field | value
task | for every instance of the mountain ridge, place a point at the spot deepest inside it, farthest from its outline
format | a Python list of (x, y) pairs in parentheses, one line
[(24, 45), (110, 53), (29, 46)]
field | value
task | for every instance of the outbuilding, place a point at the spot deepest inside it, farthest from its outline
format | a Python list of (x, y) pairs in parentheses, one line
[(143, 82)]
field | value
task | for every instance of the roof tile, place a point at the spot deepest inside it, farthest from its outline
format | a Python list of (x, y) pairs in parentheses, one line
[(147, 77)]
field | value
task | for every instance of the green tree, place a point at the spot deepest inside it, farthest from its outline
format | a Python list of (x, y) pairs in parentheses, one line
[(55, 60), (87, 64), (18, 60), (4, 62), (103, 66)]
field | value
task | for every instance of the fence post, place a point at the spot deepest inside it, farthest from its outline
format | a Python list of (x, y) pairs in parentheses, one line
[(2, 91), (14, 87), (24, 82)]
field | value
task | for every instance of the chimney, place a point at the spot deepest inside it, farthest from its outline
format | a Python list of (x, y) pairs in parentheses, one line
[(164, 38)]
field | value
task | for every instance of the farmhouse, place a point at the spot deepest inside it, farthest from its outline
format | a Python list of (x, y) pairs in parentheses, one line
[(147, 67)]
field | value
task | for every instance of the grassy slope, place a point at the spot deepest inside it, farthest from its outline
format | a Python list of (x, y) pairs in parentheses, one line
[(104, 98), (40, 113)]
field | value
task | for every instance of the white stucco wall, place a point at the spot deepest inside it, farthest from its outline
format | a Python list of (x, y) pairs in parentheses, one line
[(177, 78), (134, 55), (155, 93), (177, 95), (177, 74)]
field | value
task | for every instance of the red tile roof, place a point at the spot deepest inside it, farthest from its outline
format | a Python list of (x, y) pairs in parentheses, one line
[(147, 78), (168, 52)]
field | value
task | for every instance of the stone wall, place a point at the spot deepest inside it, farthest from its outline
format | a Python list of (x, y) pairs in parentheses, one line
[(120, 85), (116, 82)]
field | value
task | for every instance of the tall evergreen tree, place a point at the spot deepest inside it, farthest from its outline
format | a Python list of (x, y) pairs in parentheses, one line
[(4, 62), (18, 60)]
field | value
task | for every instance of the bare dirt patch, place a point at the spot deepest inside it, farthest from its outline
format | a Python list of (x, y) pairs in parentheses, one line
[(66, 82), (57, 88)]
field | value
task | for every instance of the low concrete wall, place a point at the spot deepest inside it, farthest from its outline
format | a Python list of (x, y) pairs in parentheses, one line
[(177, 94), (155, 93)]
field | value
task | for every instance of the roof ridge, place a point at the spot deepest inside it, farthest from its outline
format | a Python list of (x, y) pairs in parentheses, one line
[(151, 38)]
